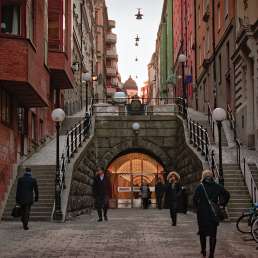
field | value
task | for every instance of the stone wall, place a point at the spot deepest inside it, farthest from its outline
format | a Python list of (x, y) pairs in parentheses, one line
[(81, 197), (188, 164)]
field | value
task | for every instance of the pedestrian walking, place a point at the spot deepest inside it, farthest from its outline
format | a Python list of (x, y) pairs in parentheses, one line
[(26, 193), (145, 194), (173, 192), (206, 193), (159, 190), (102, 193)]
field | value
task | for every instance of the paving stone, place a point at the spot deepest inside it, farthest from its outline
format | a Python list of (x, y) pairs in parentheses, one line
[(128, 233)]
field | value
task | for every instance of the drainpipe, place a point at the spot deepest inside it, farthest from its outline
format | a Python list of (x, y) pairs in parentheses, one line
[(213, 58), (195, 57), (81, 7)]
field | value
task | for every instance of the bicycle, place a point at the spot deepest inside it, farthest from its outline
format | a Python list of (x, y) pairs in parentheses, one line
[(246, 220), (254, 230)]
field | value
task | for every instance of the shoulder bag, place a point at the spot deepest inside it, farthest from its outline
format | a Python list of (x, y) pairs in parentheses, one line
[(219, 214)]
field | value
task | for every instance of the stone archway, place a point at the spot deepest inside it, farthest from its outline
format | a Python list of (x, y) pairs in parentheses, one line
[(128, 172)]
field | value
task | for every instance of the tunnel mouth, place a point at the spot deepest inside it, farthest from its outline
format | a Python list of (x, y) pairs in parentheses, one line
[(128, 172)]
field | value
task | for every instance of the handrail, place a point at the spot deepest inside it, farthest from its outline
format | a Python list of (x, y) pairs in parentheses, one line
[(232, 120), (74, 138), (200, 139), (211, 121)]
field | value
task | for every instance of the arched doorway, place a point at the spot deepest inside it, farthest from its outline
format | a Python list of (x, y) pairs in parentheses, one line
[(128, 172)]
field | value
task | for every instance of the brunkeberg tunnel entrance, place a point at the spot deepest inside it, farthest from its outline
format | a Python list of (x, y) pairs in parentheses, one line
[(128, 173)]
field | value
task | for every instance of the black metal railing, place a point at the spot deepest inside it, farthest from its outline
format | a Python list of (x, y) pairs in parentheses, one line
[(232, 120), (199, 138), (74, 139), (211, 121), (238, 152)]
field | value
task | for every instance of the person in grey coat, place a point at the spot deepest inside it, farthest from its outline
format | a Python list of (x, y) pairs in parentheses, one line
[(26, 193)]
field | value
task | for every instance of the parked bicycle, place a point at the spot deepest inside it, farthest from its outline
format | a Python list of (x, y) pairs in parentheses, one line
[(254, 230), (246, 220)]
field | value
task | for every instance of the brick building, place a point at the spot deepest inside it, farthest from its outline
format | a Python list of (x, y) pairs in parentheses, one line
[(35, 65)]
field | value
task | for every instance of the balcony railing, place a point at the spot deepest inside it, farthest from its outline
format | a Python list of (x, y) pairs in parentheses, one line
[(111, 24), (111, 71), (112, 54), (111, 38)]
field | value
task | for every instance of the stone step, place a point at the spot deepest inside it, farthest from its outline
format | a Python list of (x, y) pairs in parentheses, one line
[(239, 205), (34, 218), (33, 209), (236, 187)]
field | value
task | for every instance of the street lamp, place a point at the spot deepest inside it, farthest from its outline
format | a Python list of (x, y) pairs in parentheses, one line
[(86, 77), (182, 59), (58, 115), (136, 127), (219, 114)]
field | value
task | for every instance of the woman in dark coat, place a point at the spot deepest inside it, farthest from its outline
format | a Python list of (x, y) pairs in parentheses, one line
[(173, 192), (205, 216)]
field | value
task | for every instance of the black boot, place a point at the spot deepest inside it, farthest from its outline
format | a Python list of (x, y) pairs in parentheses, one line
[(212, 246), (203, 245), (100, 215)]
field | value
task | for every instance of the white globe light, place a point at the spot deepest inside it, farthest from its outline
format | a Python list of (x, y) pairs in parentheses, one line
[(136, 126), (119, 97), (182, 58), (86, 77), (219, 114), (58, 115)]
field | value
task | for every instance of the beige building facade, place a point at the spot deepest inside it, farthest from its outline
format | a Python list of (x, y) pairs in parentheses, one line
[(245, 60)]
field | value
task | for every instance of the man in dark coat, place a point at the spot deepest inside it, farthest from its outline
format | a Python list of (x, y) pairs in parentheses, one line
[(173, 192), (24, 195), (102, 193), (205, 216), (159, 190)]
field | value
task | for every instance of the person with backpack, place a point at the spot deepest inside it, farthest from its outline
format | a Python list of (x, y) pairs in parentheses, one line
[(208, 198)]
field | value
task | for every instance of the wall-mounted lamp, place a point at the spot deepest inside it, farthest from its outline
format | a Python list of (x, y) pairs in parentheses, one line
[(76, 66), (136, 127)]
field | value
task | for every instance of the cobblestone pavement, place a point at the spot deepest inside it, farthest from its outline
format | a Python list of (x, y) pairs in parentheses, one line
[(128, 233)]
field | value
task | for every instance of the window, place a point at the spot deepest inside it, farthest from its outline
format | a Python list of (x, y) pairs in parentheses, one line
[(228, 55), (10, 18), (199, 16), (220, 73), (219, 15), (226, 6), (33, 127), (5, 107), (207, 42), (200, 56), (30, 18)]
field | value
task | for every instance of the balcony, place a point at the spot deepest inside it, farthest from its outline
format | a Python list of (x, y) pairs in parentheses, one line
[(112, 54), (111, 38), (110, 90), (22, 72), (206, 14), (111, 24), (111, 71), (60, 70)]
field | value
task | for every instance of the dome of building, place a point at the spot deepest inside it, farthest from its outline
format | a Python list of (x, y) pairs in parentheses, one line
[(130, 84)]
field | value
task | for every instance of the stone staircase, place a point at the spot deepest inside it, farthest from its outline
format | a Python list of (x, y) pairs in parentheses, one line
[(41, 210), (254, 171), (240, 199)]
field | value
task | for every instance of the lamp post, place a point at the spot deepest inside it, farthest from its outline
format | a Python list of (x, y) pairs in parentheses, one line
[(86, 77), (58, 115), (182, 59), (219, 114)]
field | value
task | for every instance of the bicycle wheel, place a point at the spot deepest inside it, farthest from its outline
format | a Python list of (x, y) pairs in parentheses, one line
[(255, 230), (243, 224)]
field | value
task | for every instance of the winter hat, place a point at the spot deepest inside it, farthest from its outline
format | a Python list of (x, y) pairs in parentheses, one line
[(171, 174)]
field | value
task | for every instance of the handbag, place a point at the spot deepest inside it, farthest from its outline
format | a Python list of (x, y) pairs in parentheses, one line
[(219, 213), (16, 212)]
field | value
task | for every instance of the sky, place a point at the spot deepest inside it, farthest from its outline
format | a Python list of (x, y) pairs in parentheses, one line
[(127, 27)]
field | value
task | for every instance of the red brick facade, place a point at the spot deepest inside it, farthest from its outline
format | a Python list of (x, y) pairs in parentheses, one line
[(30, 78)]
